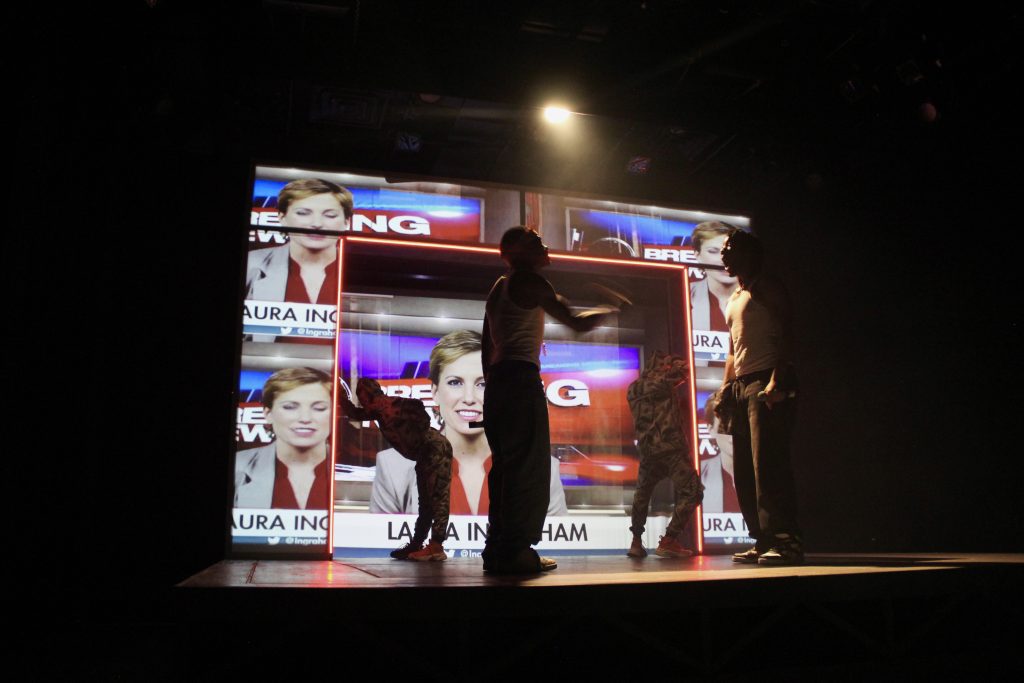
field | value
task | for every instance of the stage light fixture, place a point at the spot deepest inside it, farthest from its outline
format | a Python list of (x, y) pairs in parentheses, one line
[(556, 114)]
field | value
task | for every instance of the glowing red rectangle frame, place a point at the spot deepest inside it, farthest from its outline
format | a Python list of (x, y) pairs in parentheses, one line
[(685, 277), (334, 401)]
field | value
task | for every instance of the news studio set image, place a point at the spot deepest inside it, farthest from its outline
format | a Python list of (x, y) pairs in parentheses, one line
[(407, 263)]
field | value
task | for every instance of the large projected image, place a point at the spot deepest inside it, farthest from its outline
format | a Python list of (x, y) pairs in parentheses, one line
[(291, 271), (381, 211), (401, 318), (668, 235), (291, 288), (591, 438), (612, 233), (585, 388), (597, 227), (381, 207), (428, 347), (282, 482)]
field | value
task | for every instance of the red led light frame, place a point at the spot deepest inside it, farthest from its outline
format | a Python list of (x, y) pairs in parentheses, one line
[(684, 283), (693, 402), (334, 400)]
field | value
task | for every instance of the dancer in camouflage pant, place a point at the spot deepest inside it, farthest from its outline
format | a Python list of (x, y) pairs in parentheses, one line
[(663, 443), (406, 426)]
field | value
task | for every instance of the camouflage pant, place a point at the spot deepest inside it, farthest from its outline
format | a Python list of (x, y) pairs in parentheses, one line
[(686, 484), (433, 484)]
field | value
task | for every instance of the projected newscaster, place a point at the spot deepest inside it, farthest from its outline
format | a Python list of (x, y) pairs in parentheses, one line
[(457, 394), (291, 289), (282, 488)]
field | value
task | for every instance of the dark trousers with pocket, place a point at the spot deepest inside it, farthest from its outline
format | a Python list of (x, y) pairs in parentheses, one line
[(763, 472), (519, 483)]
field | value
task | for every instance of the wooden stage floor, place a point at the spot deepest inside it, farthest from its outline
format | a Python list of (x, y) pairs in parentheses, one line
[(378, 573), (700, 581)]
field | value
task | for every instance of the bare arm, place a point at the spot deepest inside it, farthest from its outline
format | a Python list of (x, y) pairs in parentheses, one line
[(530, 289), (584, 321)]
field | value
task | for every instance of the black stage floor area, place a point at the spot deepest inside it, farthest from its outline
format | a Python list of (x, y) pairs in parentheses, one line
[(703, 580), (841, 616)]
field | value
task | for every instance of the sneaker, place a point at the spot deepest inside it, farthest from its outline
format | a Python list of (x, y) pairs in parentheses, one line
[(637, 549), (525, 562), (747, 556), (669, 547), (786, 551), (431, 552), (406, 550)]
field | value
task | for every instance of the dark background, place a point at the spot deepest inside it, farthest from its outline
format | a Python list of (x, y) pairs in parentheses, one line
[(895, 228)]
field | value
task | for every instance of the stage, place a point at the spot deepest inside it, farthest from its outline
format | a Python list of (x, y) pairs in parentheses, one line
[(704, 614)]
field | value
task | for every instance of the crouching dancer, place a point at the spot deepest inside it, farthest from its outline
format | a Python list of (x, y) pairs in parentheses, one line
[(664, 452), (405, 424)]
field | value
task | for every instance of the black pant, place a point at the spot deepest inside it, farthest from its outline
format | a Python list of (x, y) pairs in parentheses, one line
[(763, 472), (519, 483)]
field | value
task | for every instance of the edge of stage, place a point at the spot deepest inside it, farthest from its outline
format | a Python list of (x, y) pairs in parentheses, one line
[(584, 585), (848, 614)]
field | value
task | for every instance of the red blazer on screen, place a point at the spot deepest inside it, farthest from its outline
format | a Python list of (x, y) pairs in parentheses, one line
[(394, 486)]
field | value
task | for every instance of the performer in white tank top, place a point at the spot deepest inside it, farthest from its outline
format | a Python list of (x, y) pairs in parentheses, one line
[(517, 332), (756, 333), (515, 409)]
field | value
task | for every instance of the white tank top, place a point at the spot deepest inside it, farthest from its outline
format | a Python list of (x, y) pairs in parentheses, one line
[(755, 331), (516, 332)]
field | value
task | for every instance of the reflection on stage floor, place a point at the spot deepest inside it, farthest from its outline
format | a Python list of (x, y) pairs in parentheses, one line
[(572, 571)]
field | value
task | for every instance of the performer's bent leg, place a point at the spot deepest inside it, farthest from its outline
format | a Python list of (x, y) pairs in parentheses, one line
[(689, 492), (652, 471), (440, 499), (424, 488)]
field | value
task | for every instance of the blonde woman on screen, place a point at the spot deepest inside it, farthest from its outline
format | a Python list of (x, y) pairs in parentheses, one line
[(293, 471), (708, 297), (456, 377), (306, 269)]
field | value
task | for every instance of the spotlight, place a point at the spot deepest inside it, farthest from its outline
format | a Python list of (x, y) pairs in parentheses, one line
[(556, 114)]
